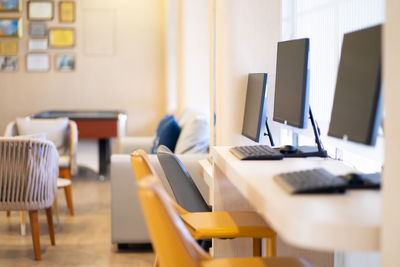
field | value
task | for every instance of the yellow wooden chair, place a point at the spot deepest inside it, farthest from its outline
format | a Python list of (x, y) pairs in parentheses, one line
[(174, 245), (221, 224)]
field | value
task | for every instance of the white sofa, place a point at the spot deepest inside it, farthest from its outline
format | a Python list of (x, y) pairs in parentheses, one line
[(127, 221)]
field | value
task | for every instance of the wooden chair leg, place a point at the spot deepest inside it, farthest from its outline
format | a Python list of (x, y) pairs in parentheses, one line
[(271, 246), (66, 173), (8, 213), (50, 224), (22, 222), (55, 208), (257, 242), (68, 197), (33, 218), (156, 262)]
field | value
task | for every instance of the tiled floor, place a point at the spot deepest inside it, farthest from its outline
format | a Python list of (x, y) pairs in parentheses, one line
[(81, 240)]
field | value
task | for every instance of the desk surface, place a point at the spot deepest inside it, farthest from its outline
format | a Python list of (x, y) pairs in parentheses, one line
[(325, 222)]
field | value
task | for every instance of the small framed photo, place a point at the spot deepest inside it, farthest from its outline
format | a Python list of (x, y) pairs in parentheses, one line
[(10, 5), (38, 44), (40, 10), (66, 11), (37, 29), (8, 63), (8, 47), (38, 62), (11, 27), (65, 62), (61, 37)]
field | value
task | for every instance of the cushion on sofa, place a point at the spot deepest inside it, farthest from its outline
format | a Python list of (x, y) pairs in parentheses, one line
[(185, 115), (167, 133), (194, 136), (54, 129)]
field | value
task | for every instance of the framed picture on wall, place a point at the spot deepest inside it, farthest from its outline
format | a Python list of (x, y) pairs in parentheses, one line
[(40, 10), (10, 5), (38, 62), (11, 27), (65, 62), (8, 63), (37, 29), (66, 11), (37, 44), (61, 37), (8, 47)]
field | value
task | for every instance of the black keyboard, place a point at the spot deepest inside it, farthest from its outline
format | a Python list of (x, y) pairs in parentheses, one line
[(258, 152), (311, 181)]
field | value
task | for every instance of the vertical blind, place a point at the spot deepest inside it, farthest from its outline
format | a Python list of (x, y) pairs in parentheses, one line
[(325, 22)]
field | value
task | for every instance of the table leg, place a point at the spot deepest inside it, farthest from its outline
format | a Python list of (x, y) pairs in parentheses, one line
[(104, 156)]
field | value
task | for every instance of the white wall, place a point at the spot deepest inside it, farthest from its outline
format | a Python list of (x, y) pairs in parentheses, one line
[(195, 48), (172, 55), (246, 39), (391, 182), (129, 75), (187, 55)]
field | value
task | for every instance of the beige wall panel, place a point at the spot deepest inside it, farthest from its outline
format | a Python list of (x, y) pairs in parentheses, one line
[(391, 181), (127, 73), (99, 24)]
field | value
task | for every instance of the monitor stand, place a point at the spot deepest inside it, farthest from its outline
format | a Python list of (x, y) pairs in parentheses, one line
[(310, 151), (271, 140)]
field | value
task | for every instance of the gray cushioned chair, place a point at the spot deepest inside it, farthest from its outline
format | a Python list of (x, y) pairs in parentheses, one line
[(184, 189)]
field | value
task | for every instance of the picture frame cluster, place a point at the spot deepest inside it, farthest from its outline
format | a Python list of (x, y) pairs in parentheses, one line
[(49, 29)]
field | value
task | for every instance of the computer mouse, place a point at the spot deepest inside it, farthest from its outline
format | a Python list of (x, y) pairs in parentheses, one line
[(288, 149), (354, 178)]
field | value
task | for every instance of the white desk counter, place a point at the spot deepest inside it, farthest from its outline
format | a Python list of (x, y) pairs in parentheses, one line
[(348, 222)]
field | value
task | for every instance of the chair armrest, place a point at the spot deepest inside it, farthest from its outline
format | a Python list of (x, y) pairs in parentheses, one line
[(11, 129), (125, 145)]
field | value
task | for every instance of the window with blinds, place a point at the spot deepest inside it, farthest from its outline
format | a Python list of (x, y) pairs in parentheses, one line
[(325, 22)]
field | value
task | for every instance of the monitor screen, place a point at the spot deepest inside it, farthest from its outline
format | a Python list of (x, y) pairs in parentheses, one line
[(255, 107), (291, 85), (356, 106)]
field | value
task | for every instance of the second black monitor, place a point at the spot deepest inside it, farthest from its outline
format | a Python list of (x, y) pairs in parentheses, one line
[(255, 107), (291, 85)]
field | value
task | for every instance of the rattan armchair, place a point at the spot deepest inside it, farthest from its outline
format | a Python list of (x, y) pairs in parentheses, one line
[(28, 180), (67, 156)]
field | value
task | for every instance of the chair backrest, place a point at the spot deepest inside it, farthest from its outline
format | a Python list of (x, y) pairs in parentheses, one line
[(141, 164), (142, 168), (70, 147), (174, 245), (28, 173), (185, 190)]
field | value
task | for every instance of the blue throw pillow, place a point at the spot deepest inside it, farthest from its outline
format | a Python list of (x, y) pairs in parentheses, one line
[(167, 133)]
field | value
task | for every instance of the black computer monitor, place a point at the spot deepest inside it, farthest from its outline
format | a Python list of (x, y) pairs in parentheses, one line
[(356, 106), (291, 85), (255, 107)]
